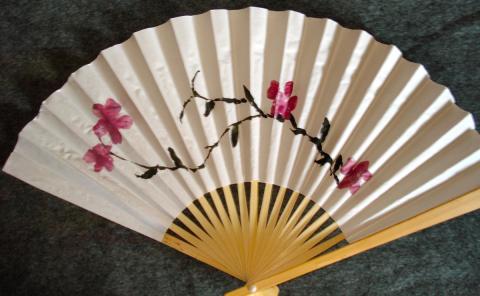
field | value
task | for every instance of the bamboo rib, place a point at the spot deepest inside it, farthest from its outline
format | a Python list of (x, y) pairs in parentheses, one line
[(252, 226), (251, 240), (209, 243), (305, 256), (271, 252), (228, 228), (270, 236), (242, 202), (262, 221), (202, 248), (219, 227), (287, 235), (298, 250), (212, 231), (232, 212), (191, 251), (454, 208)]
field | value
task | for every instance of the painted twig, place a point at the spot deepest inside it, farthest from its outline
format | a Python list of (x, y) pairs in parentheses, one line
[(325, 158)]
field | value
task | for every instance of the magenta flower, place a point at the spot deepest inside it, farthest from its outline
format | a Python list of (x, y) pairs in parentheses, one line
[(283, 102), (354, 172), (110, 120), (100, 155)]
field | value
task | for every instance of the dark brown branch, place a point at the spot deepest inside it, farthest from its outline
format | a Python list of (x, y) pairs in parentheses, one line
[(325, 158), (230, 126), (178, 164), (210, 102), (318, 141)]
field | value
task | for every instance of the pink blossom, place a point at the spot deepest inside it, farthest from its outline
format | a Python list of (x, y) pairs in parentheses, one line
[(354, 172), (100, 155), (110, 120), (283, 102)]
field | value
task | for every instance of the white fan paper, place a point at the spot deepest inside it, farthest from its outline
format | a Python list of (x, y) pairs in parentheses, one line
[(423, 149)]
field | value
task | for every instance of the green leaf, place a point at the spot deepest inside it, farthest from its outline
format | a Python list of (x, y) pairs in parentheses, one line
[(208, 108), (148, 173), (234, 135)]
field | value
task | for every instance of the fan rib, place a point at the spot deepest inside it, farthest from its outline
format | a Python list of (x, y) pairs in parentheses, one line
[(237, 230), (267, 194), (203, 248), (191, 251), (206, 245), (219, 227), (216, 235), (252, 239), (269, 233)]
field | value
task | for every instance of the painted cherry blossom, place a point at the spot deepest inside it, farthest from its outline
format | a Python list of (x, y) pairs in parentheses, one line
[(100, 155), (110, 120), (283, 102), (354, 172)]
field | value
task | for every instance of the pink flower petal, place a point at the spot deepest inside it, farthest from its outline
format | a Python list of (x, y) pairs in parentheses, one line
[(361, 167), (102, 150), (367, 175), (283, 104), (100, 155), (115, 135), (272, 90), (354, 188), (272, 110), (354, 172), (109, 163), (98, 167), (98, 110), (347, 166), (292, 103), (89, 156), (347, 181), (101, 128), (288, 88), (111, 108), (123, 121), (110, 121)]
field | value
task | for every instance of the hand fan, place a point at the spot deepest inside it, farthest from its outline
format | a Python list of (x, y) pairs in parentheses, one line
[(252, 140)]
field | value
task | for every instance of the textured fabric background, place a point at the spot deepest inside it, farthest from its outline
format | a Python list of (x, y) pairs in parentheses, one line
[(50, 247)]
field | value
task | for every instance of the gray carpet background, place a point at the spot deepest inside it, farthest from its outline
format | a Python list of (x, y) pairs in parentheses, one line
[(50, 247)]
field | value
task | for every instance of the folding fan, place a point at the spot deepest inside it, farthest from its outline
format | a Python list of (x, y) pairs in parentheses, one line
[(255, 141)]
